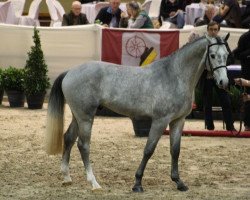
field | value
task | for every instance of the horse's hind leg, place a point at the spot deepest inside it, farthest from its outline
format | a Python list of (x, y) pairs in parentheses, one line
[(69, 140), (84, 148), (155, 134), (176, 128)]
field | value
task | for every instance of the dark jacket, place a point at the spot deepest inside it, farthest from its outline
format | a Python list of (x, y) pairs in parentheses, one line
[(242, 53), (167, 7), (105, 17), (70, 19)]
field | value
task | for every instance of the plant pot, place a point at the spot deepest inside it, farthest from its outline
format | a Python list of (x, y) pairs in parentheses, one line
[(141, 127), (35, 101), (1, 96), (16, 98)]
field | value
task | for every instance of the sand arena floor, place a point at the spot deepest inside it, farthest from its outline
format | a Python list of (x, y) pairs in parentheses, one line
[(213, 168)]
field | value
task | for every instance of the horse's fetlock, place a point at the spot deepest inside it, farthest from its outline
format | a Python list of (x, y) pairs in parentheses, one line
[(175, 178), (138, 176)]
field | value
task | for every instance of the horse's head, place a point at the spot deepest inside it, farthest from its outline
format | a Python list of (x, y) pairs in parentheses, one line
[(216, 58)]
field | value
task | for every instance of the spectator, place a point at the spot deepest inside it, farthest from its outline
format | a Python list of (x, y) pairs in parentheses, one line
[(209, 13), (110, 16), (242, 53), (245, 19), (89, 1), (230, 12), (140, 18), (212, 30), (75, 17), (126, 18), (172, 11)]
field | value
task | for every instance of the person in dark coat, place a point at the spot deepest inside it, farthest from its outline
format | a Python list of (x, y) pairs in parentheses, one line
[(242, 53), (173, 11), (208, 85), (229, 11), (110, 16), (75, 17), (245, 18)]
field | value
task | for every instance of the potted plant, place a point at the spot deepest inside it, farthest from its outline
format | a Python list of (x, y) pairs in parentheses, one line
[(1, 86), (36, 80), (13, 85)]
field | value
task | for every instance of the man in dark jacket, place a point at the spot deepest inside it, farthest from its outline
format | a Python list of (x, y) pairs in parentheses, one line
[(173, 11), (246, 14), (242, 53), (213, 29), (75, 17), (110, 16), (230, 11)]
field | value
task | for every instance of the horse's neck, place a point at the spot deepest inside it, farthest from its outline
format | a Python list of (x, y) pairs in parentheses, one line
[(190, 62)]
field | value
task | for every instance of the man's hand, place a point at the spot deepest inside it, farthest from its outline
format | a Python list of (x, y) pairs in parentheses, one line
[(172, 14), (241, 82)]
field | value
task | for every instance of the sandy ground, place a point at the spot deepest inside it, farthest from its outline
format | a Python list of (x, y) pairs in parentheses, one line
[(213, 168)]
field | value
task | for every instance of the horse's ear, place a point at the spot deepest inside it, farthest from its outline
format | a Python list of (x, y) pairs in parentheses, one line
[(226, 37)]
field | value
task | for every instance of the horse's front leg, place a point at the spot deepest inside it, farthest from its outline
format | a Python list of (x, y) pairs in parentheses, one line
[(176, 128), (155, 134)]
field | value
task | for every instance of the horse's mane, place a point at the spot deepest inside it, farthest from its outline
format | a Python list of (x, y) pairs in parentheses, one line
[(183, 48), (187, 45)]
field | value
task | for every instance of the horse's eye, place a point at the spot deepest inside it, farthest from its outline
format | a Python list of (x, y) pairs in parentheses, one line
[(212, 56)]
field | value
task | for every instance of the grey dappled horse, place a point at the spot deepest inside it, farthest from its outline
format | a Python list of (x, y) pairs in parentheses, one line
[(162, 92)]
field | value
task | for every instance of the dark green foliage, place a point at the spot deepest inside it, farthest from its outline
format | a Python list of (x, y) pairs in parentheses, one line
[(234, 93), (36, 79), (13, 79), (235, 98), (1, 79)]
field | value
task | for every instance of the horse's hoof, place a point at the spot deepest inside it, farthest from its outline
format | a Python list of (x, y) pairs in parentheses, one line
[(66, 183), (137, 189), (182, 188), (97, 190)]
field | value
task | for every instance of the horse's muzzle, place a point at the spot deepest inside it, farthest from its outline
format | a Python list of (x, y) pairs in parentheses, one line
[(223, 84)]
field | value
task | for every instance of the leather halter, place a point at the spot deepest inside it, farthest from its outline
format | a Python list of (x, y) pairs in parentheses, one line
[(208, 57)]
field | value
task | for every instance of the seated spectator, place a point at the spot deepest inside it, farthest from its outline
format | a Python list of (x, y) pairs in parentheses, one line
[(89, 1), (209, 13), (110, 16), (230, 12), (75, 17), (126, 17), (173, 11), (245, 19), (139, 18)]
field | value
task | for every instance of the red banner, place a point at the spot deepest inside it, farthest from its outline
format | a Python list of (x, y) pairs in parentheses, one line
[(135, 48)]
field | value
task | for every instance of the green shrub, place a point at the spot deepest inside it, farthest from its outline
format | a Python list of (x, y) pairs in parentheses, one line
[(36, 79), (1, 79), (234, 93), (13, 79)]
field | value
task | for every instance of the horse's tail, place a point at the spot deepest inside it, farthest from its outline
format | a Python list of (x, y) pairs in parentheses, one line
[(55, 118)]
